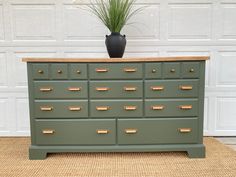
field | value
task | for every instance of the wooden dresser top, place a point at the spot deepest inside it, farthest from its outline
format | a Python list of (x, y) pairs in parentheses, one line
[(115, 60)]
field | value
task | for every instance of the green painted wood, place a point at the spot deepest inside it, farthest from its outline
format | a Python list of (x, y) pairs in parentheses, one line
[(61, 109), (116, 108), (59, 71), (60, 89), (75, 132), (40, 71), (116, 71), (116, 89), (153, 70), (171, 88), (190, 70), (78, 71), (171, 108), (171, 70), (157, 131)]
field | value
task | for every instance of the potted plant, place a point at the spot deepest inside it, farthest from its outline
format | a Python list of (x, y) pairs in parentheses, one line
[(114, 14)]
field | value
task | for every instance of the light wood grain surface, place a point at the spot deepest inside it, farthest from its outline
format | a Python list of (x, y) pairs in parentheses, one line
[(117, 60)]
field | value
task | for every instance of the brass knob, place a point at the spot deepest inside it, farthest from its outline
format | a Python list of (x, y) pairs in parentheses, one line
[(59, 71), (185, 130), (40, 71), (78, 71), (131, 131), (191, 70), (154, 71), (172, 70)]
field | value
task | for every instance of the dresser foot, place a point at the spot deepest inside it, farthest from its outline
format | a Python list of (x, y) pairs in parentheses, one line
[(37, 154), (196, 152)]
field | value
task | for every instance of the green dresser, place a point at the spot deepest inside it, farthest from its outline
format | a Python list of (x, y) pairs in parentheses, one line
[(116, 105)]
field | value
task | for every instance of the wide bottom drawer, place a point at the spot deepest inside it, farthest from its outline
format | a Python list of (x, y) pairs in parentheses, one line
[(75, 132), (157, 131)]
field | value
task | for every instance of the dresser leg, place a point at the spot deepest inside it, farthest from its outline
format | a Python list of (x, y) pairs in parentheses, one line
[(196, 152), (36, 154)]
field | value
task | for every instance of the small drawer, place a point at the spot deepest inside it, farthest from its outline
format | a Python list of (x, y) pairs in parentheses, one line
[(78, 71), (116, 89), (171, 70), (40, 71), (59, 71), (157, 131), (60, 89), (153, 70), (171, 88), (75, 132), (60, 109), (190, 70), (116, 108), (171, 108), (116, 71)]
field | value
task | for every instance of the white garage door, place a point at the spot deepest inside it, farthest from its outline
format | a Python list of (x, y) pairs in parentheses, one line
[(57, 28)]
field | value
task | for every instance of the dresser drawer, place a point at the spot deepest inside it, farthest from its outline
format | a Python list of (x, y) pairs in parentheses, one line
[(78, 71), (171, 70), (116, 108), (75, 132), (157, 131), (116, 71), (190, 69), (171, 88), (59, 71), (153, 70), (60, 89), (116, 89), (40, 71), (171, 108), (60, 109)]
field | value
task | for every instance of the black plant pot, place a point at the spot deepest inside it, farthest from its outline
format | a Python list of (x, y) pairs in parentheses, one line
[(115, 43)]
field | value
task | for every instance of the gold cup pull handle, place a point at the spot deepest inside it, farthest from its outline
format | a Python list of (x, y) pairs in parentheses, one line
[(48, 132), (130, 88), (158, 107), (130, 70), (46, 89), (185, 107), (42, 108), (130, 108), (103, 132), (102, 108), (157, 88), (185, 130), (131, 131), (186, 87), (102, 89), (72, 108), (74, 89), (101, 70)]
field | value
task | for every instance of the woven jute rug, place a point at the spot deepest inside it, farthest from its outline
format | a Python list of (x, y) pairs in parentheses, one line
[(220, 161)]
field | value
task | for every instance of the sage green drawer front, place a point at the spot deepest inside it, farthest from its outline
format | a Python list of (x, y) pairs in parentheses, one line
[(59, 71), (40, 71), (116, 89), (60, 89), (60, 108), (116, 108), (75, 132), (171, 70), (190, 69), (78, 71), (171, 88), (153, 70), (171, 108), (157, 131), (116, 71)]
